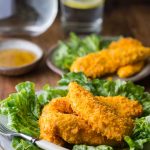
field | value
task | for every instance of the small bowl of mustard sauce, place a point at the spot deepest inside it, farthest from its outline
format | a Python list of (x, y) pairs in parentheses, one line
[(18, 56)]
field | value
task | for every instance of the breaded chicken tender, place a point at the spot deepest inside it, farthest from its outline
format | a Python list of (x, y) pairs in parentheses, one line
[(81, 118), (102, 118), (123, 106), (124, 52), (130, 70), (58, 124), (125, 43)]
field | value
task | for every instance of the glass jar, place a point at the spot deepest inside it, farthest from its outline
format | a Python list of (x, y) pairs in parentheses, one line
[(29, 17), (82, 16)]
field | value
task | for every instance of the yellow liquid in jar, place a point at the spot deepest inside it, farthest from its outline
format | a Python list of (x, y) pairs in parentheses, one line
[(16, 58), (83, 4)]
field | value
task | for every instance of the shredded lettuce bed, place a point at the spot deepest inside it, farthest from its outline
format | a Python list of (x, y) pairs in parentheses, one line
[(23, 108), (85, 147), (76, 46)]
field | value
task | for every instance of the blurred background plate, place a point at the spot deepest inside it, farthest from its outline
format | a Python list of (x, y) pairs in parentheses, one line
[(141, 75)]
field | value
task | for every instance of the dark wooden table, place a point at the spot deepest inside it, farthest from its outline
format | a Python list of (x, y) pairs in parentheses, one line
[(128, 20)]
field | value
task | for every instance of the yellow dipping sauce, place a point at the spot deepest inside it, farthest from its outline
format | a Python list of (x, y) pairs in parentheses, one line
[(16, 58)]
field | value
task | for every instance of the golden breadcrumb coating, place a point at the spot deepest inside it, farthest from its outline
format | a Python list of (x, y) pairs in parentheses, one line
[(58, 124), (81, 118), (125, 43), (123, 106), (102, 118), (124, 52), (130, 70)]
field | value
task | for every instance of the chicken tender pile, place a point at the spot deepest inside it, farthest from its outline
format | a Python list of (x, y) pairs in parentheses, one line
[(122, 53), (82, 118)]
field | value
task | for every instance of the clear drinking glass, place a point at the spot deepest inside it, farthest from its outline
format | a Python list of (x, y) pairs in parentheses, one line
[(82, 16), (31, 17)]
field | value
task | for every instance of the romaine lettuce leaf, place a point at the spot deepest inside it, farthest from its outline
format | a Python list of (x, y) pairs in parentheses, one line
[(85, 147), (141, 134), (23, 109), (76, 46), (49, 93), (76, 77), (20, 144)]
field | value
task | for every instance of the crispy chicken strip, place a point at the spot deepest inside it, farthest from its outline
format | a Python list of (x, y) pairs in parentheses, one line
[(123, 106), (130, 70), (110, 60), (58, 124), (101, 117), (125, 43)]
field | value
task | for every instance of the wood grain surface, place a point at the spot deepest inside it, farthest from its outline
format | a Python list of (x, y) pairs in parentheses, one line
[(128, 20)]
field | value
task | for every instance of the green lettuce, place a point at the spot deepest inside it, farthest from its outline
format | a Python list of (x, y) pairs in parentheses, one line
[(76, 77), (49, 93), (141, 133), (85, 147), (20, 144), (23, 108), (76, 46)]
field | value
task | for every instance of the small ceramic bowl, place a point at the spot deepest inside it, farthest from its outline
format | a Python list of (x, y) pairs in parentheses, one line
[(20, 45)]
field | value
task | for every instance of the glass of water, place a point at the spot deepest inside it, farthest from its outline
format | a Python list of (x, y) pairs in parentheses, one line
[(82, 16)]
